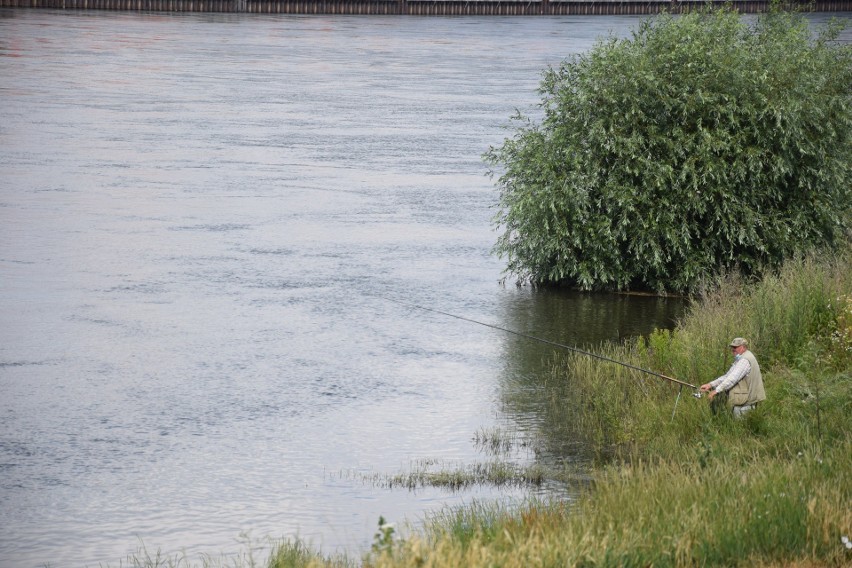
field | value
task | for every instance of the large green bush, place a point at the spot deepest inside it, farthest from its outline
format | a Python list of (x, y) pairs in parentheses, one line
[(700, 145)]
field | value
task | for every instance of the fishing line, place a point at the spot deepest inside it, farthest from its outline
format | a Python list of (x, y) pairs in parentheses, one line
[(548, 342)]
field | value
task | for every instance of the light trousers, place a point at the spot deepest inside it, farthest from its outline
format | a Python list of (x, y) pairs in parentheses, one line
[(740, 410)]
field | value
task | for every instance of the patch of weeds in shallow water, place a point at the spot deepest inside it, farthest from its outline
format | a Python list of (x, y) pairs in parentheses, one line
[(458, 476), (495, 440), (297, 553)]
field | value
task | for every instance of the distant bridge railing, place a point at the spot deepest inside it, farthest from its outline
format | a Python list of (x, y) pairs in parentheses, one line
[(417, 7)]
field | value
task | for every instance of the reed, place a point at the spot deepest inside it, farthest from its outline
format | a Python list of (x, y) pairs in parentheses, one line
[(290, 553), (496, 440), (297, 554)]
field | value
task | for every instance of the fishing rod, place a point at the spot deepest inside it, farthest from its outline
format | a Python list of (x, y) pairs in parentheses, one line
[(553, 343)]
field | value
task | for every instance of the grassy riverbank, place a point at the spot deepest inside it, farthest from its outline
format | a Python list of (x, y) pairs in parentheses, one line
[(681, 486), (674, 484)]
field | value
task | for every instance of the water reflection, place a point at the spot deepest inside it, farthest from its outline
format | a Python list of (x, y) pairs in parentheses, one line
[(575, 319)]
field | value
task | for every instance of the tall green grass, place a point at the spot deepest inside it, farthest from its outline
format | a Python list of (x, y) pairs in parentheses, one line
[(798, 322), (680, 485), (775, 512)]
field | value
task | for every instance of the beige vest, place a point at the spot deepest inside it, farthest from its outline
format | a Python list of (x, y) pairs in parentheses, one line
[(749, 389)]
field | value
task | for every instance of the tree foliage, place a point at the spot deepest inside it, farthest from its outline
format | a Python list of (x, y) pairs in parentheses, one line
[(699, 145)]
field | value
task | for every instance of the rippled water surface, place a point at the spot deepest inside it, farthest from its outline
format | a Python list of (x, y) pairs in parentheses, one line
[(201, 220)]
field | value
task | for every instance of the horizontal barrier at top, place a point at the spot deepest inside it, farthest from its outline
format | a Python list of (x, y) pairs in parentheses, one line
[(416, 7)]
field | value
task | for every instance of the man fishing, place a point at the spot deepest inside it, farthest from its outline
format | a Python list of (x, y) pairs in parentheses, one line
[(742, 385)]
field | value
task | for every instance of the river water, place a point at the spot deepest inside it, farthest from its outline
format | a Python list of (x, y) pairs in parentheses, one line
[(203, 221)]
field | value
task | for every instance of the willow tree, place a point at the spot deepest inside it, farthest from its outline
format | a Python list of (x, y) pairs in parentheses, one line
[(699, 145)]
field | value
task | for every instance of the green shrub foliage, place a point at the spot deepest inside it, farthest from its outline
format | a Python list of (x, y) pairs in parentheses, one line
[(700, 145)]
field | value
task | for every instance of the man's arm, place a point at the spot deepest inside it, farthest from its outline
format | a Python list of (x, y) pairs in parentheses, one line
[(737, 371)]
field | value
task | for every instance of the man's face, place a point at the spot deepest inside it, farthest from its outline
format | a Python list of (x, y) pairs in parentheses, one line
[(739, 350)]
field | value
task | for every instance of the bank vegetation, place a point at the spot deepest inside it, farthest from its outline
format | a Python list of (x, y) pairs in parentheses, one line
[(671, 483), (684, 486)]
